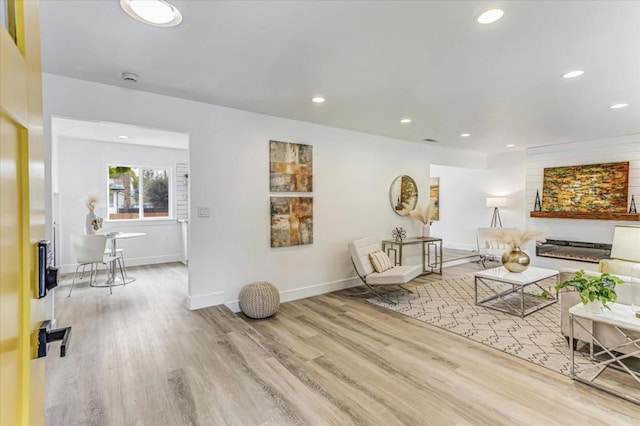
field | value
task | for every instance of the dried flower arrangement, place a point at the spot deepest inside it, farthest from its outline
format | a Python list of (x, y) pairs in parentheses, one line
[(423, 213), (91, 201), (514, 237)]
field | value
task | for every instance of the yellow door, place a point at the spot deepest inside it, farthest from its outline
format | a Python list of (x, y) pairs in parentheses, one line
[(21, 213)]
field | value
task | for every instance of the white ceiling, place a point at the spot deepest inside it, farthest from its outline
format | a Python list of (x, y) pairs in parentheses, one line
[(376, 62), (112, 132)]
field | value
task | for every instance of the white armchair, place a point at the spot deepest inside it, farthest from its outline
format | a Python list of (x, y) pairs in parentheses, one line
[(359, 251), (489, 248)]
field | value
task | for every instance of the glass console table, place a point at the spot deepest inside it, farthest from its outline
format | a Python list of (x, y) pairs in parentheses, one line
[(431, 252)]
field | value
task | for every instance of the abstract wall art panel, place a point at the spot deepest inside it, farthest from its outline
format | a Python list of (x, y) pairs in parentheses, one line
[(434, 194), (592, 188), (290, 167), (291, 221)]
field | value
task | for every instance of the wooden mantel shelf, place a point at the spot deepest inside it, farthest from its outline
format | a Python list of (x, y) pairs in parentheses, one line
[(593, 216)]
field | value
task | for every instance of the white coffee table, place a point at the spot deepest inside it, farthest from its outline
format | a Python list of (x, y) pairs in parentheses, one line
[(497, 277)]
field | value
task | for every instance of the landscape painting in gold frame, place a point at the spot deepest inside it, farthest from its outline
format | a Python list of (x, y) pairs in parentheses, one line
[(591, 188)]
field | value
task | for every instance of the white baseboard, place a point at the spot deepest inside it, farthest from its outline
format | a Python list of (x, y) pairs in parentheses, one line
[(304, 292), (136, 261), (205, 300)]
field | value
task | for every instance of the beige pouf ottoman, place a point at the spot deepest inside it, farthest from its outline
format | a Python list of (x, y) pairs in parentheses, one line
[(259, 300)]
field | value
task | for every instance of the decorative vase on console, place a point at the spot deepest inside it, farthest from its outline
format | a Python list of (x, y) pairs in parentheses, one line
[(423, 214), (514, 260)]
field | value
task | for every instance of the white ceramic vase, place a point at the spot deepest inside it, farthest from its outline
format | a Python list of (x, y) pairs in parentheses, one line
[(426, 230), (89, 223)]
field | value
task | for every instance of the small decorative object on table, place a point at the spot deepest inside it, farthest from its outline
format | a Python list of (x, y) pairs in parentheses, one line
[(595, 290), (537, 206), (399, 234), (514, 260), (92, 222), (423, 214)]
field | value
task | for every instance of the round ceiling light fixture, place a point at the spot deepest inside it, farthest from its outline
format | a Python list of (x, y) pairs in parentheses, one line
[(153, 12), (490, 16), (573, 74), (123, 137), (405, 121), (511, 145), (618, 106), (465, 135), (318, 99)]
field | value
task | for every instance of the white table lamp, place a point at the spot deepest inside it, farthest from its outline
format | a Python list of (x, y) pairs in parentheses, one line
[(626, 246), (626, 243)]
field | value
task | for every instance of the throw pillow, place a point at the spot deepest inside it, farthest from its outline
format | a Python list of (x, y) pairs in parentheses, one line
[(494, 244), (380, 261)]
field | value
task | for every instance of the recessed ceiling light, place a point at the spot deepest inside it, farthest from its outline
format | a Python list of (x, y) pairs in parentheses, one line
[(573, 74), (153, 12), (511, 145), (123, 137), (490, 16), (618, 106), (405, 121), (318, 100), (465, 135)]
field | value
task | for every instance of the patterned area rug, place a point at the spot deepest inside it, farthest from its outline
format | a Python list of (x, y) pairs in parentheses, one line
[(449, 304)]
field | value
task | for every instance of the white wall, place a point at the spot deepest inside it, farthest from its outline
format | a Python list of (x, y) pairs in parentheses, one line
[(463, 193), (624, 148), (82, 169), (462, 205), (229, 173), (506, 178)]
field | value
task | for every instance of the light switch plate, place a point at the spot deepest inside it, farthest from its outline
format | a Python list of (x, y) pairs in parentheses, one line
[(203, 211)]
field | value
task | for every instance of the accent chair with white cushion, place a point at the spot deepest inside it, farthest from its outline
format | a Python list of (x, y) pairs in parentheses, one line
[(489, 248), (367, 252)]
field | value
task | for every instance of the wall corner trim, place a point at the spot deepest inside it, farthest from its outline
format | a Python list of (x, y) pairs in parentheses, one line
[(205, 300)]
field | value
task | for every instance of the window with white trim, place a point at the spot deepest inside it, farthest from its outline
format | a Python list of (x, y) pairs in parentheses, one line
[(137, 192)]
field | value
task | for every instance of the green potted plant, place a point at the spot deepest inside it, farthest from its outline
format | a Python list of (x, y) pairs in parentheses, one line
[(595, 290)]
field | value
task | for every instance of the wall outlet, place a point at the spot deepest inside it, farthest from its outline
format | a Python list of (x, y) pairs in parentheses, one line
[(203, 211)]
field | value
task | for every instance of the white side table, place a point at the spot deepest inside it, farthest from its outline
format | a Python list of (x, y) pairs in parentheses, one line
[(622, 318)]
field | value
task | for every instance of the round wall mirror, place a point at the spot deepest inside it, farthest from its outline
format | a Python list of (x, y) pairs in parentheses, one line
[(403, 195)]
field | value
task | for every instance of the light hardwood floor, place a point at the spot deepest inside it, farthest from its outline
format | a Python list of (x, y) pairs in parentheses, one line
[(139, 357)]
